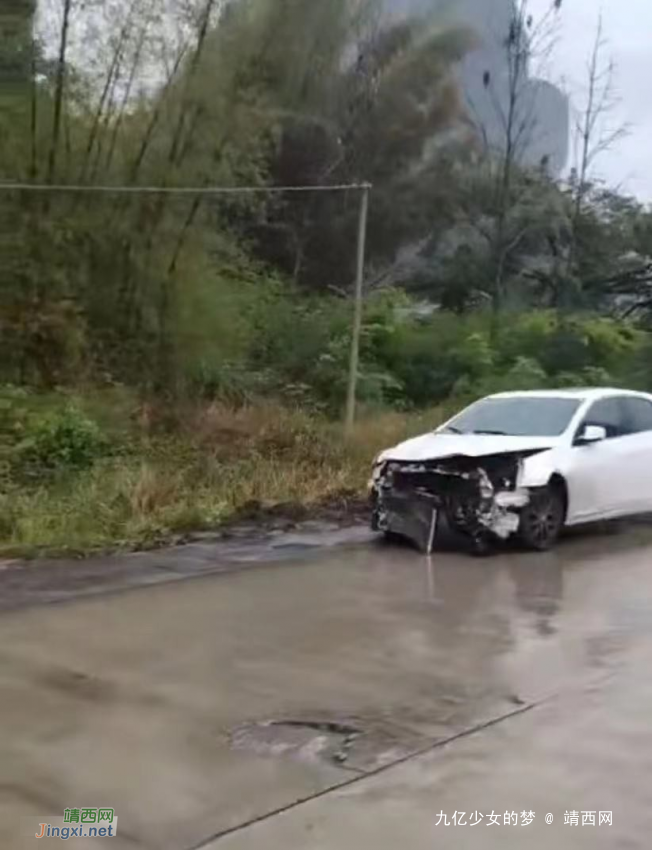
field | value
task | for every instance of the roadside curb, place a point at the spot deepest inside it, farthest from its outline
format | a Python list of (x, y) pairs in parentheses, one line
[(25, 584)]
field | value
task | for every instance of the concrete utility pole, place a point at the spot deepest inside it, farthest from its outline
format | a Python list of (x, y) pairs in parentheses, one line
[(357, 322), (196, 191)]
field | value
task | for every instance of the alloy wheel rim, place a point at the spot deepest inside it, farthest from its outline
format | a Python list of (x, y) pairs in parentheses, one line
[(543, 521)]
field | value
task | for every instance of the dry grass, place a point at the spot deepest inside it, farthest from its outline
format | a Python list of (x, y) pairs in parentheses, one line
[(217, 461)]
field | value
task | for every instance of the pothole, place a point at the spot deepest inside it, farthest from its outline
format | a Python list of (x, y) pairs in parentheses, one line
[(352, 744), (303, 740), (327, 726)]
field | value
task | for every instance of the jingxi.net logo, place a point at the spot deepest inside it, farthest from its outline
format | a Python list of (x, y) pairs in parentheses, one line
[(81, 823)]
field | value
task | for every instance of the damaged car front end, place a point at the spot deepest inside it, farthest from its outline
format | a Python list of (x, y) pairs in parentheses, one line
[(479, 497)]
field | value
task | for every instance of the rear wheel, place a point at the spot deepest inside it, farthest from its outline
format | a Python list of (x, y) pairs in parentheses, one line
[(543, 519)]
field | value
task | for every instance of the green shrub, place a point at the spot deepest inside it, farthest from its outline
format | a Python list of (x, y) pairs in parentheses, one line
[(58, 441), (525, 374)]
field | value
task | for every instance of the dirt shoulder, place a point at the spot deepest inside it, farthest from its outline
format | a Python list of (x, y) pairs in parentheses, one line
[(259, 536)]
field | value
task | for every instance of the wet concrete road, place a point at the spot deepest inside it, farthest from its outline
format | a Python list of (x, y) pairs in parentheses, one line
[(157, 703)]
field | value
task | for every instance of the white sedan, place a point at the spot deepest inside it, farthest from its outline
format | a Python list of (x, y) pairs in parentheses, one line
[(524, 463)]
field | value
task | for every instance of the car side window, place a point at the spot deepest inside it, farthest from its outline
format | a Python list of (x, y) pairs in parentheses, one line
[(638, 415), (609, 414)]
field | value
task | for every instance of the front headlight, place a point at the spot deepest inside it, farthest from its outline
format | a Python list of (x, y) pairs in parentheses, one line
[(380, 459)]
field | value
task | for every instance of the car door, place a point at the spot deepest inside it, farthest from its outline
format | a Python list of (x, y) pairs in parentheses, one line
[(598, 472), (638, 424)]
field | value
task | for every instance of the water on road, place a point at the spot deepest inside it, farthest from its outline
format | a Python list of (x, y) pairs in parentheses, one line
[(324, 687)]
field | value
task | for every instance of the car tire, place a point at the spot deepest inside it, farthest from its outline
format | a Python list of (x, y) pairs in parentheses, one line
[(543, 519)]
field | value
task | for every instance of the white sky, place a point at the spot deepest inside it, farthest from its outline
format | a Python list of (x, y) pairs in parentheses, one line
[(628, 29)]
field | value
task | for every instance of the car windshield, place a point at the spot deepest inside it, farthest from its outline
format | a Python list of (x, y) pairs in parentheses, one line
[(518, 416)]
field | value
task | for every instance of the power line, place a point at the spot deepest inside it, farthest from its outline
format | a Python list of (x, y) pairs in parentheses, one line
[(208, 191), (180, 190)]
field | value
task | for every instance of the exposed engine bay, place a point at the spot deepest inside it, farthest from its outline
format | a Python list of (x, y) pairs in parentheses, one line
[(479, 497)]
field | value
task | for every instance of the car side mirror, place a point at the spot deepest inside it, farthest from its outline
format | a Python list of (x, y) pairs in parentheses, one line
[(592, 434)]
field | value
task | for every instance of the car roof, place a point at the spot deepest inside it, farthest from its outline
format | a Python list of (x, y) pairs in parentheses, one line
[(580, 393)]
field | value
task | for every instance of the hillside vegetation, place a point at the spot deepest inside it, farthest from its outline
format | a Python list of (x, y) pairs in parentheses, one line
[(170, 361)]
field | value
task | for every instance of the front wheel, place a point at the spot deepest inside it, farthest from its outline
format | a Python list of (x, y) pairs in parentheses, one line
[(542, 520)]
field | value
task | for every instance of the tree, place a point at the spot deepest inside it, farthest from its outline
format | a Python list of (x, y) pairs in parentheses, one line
[(17, 58), (59, 88), (594, 135), (383, 106), (514, 102), (16, 44)]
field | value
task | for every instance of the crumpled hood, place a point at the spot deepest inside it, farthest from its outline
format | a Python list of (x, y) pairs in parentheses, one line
[(436, 446)]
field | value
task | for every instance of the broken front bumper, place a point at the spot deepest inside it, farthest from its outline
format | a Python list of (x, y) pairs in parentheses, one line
[(409, 516), (481, 503)]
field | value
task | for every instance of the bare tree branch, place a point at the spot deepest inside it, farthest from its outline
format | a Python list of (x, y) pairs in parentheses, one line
[(109, 84), (59, 89), (592, 137), (515, 110), (126, 97)]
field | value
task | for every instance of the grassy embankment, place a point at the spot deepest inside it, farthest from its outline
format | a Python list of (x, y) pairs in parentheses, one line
[(95, 471)]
